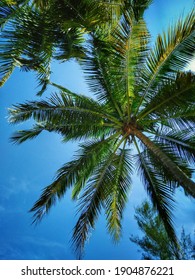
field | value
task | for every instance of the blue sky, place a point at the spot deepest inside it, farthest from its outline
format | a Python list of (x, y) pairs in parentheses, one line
[(28, 168)]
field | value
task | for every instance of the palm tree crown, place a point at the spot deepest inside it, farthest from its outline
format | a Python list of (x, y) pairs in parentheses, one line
[(142, 118)]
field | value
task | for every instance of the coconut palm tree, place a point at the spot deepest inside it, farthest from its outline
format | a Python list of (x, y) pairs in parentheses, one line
[(141, 119), (33, 33)]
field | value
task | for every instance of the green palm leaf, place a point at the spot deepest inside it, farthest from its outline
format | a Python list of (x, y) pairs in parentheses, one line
[(66, 114), (172, 96), (73, 174), (183, 143), (117, 194), (92, 198), (172, 52), (161, 194), (32, 36)]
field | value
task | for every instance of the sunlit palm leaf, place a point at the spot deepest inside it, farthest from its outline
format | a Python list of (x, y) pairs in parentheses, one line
[(74, 117), (171, 53), (92, 198), (118, 194)]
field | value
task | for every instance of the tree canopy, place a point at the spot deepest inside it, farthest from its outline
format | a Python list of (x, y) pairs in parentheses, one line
[(155, 242)]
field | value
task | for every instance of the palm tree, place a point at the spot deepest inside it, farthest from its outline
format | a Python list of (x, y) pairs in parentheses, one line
[(142, 119), (33, 33)]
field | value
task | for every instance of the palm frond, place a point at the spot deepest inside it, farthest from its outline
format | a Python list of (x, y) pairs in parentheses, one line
[(90, 154), (178, 169), (172, 51), (96, 66), (31, 39), (166, 174), (23, 43), (118, 193), (90, 210), (59, 106), (131, 45), (172, 97), (71, 115), (23, 135), (73, 174), (110, 64), (8, 11), (161, 195), (115, 9), (92, 198), (182, 143), (182, 118)]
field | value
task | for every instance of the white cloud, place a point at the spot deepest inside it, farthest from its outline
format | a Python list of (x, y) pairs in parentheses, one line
[(29, 247)]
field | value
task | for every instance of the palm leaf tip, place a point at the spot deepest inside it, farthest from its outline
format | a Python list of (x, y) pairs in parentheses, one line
[(49, 197), (42, 206), (78, 240), (23, 135)]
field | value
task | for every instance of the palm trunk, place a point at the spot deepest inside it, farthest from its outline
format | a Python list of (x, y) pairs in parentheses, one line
[(177, 173)]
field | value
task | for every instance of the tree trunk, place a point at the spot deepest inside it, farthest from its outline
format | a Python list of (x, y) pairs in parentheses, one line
[(176, 172)]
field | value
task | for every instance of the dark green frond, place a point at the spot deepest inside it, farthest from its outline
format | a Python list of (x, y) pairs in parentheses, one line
[(73, 174), (97, 68), (172, 98), (166, 173), (182, 143), (90, 209), (90, 154), (23, 135), (58, 106), (179, 169), (26, 42), (161, 195), (48, 199), (71, 115), (8, 11)]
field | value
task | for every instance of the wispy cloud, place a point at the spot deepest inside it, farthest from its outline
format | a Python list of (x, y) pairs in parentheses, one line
[(14, 186), (15, 196), (31, 247), (9, 252), (43, 242)]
